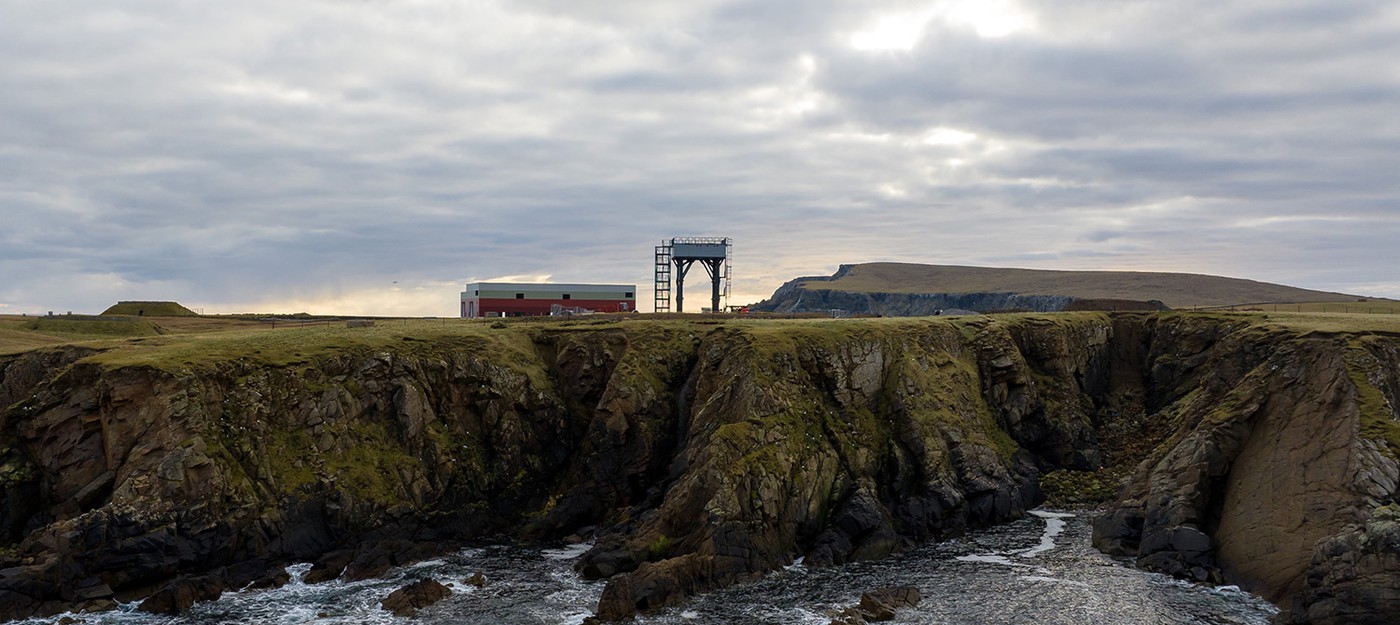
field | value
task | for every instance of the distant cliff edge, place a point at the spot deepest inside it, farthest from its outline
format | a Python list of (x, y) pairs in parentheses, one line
[(902, 289)]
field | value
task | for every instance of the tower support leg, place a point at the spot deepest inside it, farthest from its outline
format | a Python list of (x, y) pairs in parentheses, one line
[(682, 266), (715, 268)]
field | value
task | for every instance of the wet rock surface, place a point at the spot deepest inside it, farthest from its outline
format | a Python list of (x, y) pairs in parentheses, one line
[(177, 596), (1351, 578), (408, 600), (879, 604)]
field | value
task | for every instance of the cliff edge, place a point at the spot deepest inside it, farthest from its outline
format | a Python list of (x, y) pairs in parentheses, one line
[(907, 289), (705, 453)]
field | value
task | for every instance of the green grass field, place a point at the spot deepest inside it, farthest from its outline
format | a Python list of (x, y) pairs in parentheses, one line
[(1368, 307), (1331, 322), (19, 333)]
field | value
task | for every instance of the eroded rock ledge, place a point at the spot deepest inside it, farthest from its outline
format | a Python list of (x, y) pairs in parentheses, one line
[(703, 453)]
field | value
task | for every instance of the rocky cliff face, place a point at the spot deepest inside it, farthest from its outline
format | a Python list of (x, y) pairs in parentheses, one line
[(703, 453), (812, 295), (793, 297), (1279, 446)]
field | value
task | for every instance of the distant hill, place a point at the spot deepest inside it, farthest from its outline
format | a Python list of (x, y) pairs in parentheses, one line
[(150, 309), (912, 289)]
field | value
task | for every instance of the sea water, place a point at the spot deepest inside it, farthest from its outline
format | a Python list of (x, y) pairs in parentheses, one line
[(1039, 570)]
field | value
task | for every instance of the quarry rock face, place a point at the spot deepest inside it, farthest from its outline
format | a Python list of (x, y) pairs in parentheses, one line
[(704, 454)]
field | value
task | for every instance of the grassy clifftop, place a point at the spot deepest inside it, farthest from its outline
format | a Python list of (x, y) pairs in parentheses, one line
[(175, 343), (22, 333), (1177, 290)]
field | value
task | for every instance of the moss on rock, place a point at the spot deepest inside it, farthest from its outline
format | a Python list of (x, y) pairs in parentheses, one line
[(1065, 488)]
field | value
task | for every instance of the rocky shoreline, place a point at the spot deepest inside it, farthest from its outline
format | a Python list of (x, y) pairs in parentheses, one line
[(703, 454)]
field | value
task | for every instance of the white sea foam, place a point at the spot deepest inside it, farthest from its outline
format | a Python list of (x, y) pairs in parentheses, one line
[(298, 571), (567, 553), (1046, 514), (534, 587), (1054, 524), (988, 558), (795, 615)]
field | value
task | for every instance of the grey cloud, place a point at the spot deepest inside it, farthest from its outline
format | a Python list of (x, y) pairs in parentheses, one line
[(232, 153)]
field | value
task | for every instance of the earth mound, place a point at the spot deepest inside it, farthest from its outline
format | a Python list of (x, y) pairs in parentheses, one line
[(150, 309)]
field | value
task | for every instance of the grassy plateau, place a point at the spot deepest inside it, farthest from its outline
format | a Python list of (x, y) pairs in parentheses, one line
[(1176, 290), (178, 342)]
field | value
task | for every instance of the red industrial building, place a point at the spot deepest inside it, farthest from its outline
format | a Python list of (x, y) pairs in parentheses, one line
[(511, 299)]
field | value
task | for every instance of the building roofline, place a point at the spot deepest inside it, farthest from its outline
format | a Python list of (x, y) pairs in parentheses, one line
[(550, 286)]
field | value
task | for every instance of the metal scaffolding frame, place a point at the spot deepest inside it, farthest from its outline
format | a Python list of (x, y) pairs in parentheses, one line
[(715, 253), (662, 283)]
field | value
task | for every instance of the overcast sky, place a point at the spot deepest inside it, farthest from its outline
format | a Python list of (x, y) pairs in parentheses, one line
[(372, 156)]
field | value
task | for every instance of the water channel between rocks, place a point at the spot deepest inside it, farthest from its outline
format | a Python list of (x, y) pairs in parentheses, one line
[(1038, 570)]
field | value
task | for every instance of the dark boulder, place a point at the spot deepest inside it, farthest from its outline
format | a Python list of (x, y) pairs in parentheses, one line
[(91, 589), (242, 574), (881, 603), (15, 606), (408, 600), (876, 605), (1118, 532), (605, 563), (276, 578), (1181, 551), (376, 558), (329, 566), (177, 596)]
